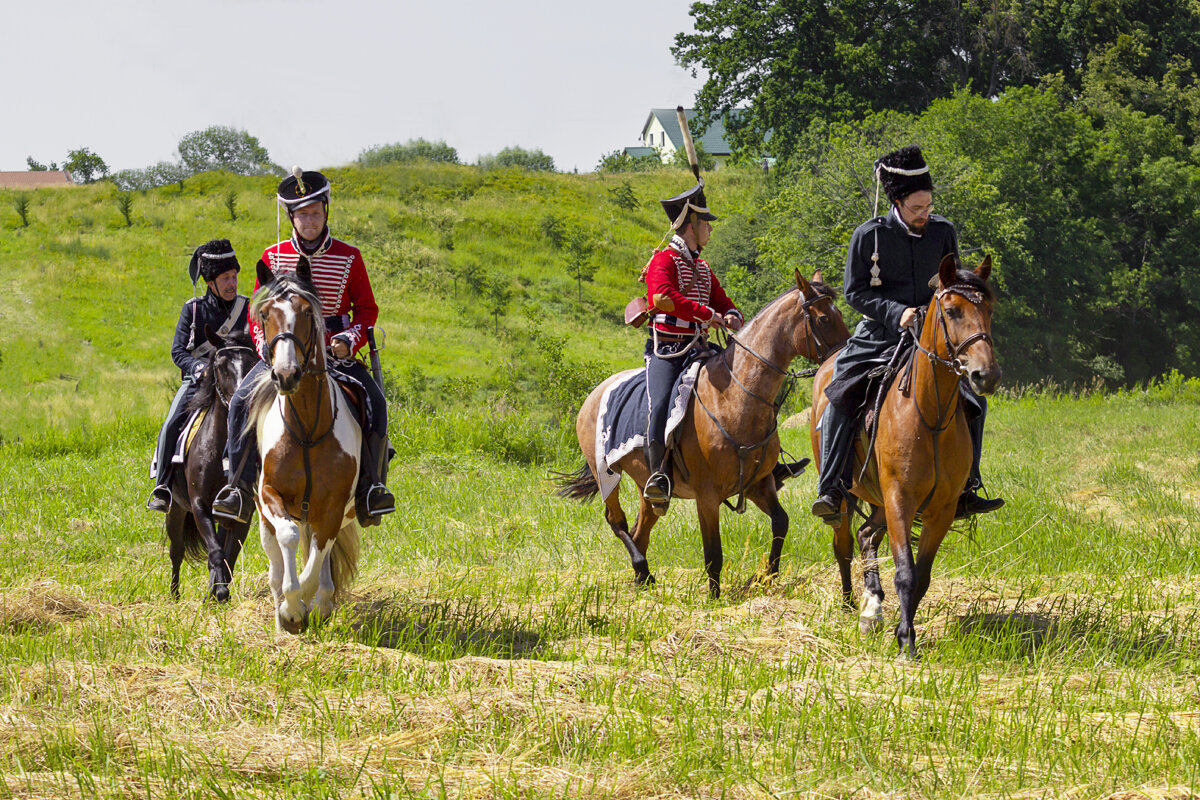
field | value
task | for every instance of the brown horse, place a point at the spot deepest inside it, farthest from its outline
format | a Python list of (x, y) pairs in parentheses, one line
[(309, 438), (922, 455), (191, 529), (730, 444)]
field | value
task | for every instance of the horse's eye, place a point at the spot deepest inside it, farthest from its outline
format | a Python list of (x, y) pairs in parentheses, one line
[(954, 313)]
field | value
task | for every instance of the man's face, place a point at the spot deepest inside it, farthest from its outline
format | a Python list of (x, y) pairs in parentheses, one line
[(703, 232), (309, 221), (915, 210), (224, 285)]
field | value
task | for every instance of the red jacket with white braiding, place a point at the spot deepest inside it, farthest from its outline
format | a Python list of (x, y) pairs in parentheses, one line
[(342, 284), (683, 293)]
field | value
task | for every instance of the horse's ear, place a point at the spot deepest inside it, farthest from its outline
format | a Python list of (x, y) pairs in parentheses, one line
[(212, 337), (947, 269), (817, 277), (303, 270), (803, 285), (265, 276), (984, 270)]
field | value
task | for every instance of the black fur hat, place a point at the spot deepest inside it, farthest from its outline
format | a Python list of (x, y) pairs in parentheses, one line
[(211, 259), (902, 172), (302, 188), (693, 200)]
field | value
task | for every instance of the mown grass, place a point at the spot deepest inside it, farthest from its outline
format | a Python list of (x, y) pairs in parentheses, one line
[(494, 645)]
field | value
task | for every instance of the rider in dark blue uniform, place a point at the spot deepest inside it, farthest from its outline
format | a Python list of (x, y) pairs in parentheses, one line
[(221, 310), (889, 266)]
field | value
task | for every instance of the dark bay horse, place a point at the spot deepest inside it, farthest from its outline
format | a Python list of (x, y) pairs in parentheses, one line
[(309, 437), (190, 527), (922, 455), (730, 443)]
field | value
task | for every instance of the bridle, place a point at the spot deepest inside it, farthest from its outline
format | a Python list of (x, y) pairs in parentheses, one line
[(953, 361), (217, 381)]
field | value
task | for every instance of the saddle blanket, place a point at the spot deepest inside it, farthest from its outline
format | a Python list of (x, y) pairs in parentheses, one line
[(621, 419)]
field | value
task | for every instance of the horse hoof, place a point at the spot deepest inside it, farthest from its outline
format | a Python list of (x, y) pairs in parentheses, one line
[(220, 593), (643, 580), (867, 625), (286, 625)]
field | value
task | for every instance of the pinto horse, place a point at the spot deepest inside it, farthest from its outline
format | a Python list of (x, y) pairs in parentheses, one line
[(190, 527), (922, 455), (309, 438), (730, 444)]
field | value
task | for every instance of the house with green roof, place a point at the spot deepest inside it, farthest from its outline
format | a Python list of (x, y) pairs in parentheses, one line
[(662, 135)]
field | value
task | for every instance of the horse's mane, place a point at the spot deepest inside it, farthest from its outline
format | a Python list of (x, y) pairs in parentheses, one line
[(263, 392), (823, 289), (973, 281), (206, 390)]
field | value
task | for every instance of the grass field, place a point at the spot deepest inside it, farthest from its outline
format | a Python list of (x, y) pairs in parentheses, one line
[(494, 645)]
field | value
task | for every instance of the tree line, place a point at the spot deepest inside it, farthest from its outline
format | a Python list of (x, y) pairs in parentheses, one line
[(1062, 138)]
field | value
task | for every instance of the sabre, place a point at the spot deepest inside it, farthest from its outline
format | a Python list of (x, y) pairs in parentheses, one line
[(376, 369)]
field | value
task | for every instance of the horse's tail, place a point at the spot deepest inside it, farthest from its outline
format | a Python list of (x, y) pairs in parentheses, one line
[(194, 549), (343, 564), (578, 485)]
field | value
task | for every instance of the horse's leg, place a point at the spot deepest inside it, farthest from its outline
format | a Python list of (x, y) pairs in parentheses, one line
[(322, 604), (871, 605), (317, 575), (843, 551), (764, 495), (709, 512), (614, 515), (218, 584), (932, 533), (899, 521), (646, 519), (174, 525), (234, 537)]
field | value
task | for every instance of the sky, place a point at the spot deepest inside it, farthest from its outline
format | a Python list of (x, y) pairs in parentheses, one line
[(318, 82)]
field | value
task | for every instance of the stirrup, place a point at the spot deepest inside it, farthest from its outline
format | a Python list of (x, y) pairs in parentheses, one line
[(829, 508), (230, 505), (160, 499), (379, 501), (658, 488), (970, 504)]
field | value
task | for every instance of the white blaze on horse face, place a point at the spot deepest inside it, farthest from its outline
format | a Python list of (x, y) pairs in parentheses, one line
[(285, 356)]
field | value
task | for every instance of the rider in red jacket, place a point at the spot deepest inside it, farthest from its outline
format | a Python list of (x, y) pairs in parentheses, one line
[(685, 300), (340, 277)]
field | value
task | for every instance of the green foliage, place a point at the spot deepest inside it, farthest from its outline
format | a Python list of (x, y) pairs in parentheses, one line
[(125, 206), (37, 166), (163, 173), (220, 147), (231, 198), (85, 166), (532, 160), (397, 153), (790, 62), (21, 203), (622, 196), (620, 161), (704, 158)]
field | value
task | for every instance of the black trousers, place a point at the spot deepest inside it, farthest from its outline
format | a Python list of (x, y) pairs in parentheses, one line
[(662, 372)]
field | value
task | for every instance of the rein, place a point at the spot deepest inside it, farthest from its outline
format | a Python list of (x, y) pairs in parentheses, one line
[(954, 364), (781, 397)]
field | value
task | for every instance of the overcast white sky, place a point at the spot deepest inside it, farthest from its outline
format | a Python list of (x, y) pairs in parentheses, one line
[(319, 81)]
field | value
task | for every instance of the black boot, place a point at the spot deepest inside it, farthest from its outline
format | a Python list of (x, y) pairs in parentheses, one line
[(658, 486), (970, 504), (372, 499), (234, 503), (837, 431), (160, 499)]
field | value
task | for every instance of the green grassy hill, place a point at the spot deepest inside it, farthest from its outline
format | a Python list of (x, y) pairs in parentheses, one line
[(473, 293)]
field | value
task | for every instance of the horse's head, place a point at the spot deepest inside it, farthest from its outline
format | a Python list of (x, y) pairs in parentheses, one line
[(964, 304), (232, 360), (821, 329), (289, 312)]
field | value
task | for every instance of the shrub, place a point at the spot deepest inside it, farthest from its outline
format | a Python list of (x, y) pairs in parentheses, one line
[(411, 150), (532, 160)]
